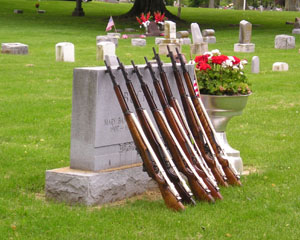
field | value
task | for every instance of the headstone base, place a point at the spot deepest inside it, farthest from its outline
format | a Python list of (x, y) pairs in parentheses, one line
[(210, 39), (244, 47), (296, 31), (199, 48), (163, 50), (91, 188)]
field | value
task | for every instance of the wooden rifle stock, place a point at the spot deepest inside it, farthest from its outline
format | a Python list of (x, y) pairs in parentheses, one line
[(157, 144), (231, 174), (184, 135), (191, 119), (183, 139), (153, 167), (197, 185)]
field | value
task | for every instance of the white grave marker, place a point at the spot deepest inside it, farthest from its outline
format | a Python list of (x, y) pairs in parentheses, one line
[(105, 48), (65, 52)]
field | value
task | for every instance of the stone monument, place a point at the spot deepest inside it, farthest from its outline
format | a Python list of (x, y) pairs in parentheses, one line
[(104, 163), (153, 30), (209, 36), (284, 41), (65, 52), (280, 66), (14, 48), (245, 44), (169, 39), (199, 46)]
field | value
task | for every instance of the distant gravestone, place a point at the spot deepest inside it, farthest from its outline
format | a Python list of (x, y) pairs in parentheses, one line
[(129, 30), (138, 42), (14, 48), (65, 52), (209, 36), (107, 38), (280, 66), (196, 33), (18, 11), (115, 34), (105, 48), (185, 41), (153, 29), (255, 64), (198, 47), (296, 29), (284, 42), (245, 33), (182, 34), (170, 30), (170, 39)]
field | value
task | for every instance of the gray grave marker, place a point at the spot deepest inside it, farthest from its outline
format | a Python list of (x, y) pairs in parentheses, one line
[(14, 48), (245, 33), (284, 41)]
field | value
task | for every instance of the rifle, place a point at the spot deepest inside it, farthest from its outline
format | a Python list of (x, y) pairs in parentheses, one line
[(155, 170), (182, 137), (156, 143), (192, 122), (199, 188), (174, 103), (230, 171)]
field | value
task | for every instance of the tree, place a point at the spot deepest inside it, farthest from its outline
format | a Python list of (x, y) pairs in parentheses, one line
[(145, 6)]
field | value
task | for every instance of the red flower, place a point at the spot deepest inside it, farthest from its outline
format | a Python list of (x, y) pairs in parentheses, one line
[(202, 58), (143, 19), (236, 60), (37, 5), (203, 66), (159, 17), (219, 59), (139, 21)]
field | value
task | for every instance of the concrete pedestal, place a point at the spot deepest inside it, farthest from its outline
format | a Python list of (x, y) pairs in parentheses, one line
[(244, 47), (233, 155), (91, 188), (163, 50)]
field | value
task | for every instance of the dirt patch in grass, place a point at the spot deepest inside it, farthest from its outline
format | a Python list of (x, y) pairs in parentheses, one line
[(151, 195)]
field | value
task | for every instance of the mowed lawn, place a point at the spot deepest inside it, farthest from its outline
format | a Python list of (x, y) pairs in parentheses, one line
[(35, 120)]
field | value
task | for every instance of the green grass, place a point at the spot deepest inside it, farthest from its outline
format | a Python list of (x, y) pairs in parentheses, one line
[(35, 118)]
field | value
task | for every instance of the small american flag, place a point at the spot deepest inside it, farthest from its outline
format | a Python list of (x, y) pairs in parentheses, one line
[(196, 89), (110, 24)]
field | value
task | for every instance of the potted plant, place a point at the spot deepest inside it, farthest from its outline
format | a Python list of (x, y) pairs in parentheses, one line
[(224, 90)]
